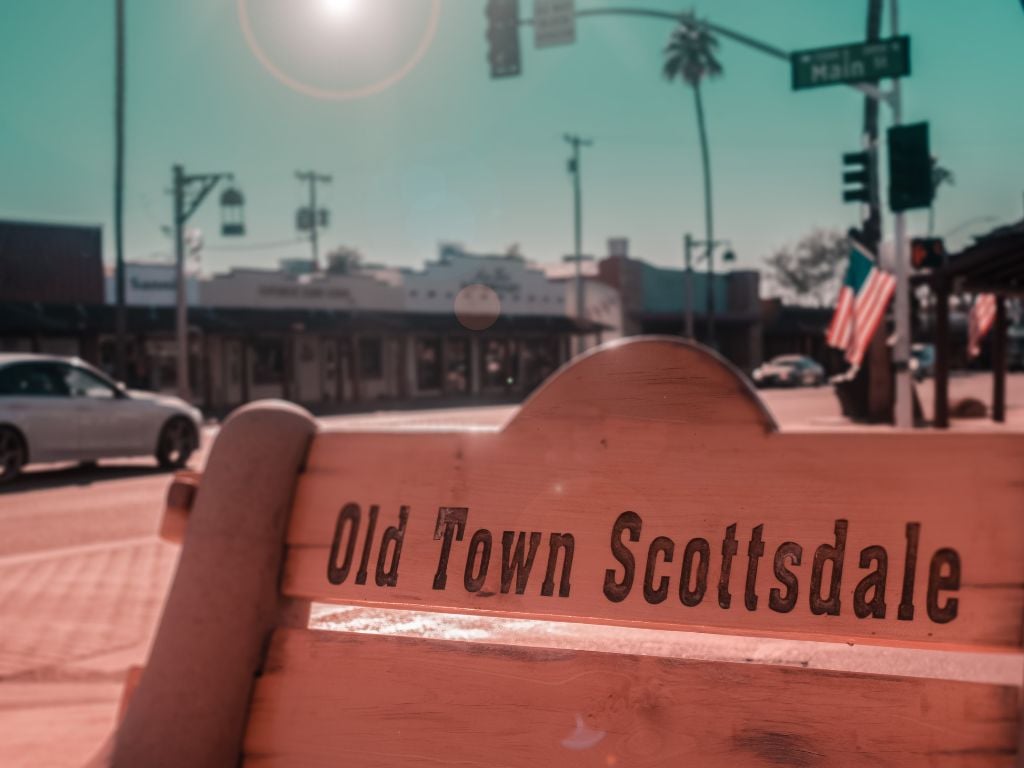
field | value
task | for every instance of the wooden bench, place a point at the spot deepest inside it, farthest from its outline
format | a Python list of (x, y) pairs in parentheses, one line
[(644, 487)]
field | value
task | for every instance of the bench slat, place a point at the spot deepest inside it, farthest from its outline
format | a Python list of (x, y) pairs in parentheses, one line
[(578, 478), (330, 698)]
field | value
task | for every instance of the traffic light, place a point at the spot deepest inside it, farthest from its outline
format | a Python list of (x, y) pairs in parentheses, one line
[(503, 37), (910, 168), (857, 167), (927, 252)]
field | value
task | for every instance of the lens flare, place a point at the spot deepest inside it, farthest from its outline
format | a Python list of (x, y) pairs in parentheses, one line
[(341, 9)]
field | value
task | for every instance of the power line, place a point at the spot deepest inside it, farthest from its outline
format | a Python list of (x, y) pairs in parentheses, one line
[(256, 246)]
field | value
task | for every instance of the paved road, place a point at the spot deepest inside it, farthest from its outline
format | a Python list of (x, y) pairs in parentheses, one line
[(82, 576)]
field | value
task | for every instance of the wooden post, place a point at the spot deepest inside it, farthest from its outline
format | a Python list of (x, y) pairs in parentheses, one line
[(941, 411), (190, 706), (443, 362), (406, 346), (246, 366), (474, 365), (999, 362), (356, 368)]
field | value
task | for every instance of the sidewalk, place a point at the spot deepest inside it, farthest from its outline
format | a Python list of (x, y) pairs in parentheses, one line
[(73, 621)]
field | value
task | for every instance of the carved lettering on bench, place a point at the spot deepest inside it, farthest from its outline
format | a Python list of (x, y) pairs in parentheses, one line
[(346, 532), (518, 553), (541, 563)]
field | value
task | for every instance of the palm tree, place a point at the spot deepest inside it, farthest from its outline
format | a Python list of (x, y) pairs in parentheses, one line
[(940, 176), (690, 57)]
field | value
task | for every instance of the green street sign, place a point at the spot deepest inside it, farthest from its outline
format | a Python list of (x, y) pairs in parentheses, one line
[(858, 63)]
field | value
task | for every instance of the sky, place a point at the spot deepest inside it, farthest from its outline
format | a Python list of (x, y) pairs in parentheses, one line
[(440, 152)]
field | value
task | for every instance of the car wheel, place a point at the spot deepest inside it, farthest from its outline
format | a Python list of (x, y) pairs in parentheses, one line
[(177, 442), (13, 454)]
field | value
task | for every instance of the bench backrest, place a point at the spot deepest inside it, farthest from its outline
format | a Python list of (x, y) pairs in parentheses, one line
[(645, 486)]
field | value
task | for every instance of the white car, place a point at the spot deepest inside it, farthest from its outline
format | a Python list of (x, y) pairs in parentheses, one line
[(789, 371), (62, 409)]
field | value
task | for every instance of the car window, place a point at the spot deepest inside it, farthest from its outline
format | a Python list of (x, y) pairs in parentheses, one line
[(83, 383), (32, 380)]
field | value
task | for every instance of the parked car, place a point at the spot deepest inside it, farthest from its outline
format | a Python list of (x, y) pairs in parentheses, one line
[(922, 361), (789, 371), (62, 409)]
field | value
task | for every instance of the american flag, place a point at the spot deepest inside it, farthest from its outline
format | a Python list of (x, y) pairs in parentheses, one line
[(861, 305), (983, 314)]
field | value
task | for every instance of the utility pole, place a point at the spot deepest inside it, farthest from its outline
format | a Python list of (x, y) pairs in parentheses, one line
[(184, 206), (901, 353), (120, 328), (576, 142), (181, 305), (313, 178), (689, 243), (688, 277)]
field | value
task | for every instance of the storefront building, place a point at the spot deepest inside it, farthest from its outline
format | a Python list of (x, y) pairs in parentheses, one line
[(464, 328), (655, 300)]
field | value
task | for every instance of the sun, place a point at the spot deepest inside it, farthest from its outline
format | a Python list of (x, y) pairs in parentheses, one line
[(340, 9)]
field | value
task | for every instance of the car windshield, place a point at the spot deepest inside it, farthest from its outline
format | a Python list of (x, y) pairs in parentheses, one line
[(789, 362)]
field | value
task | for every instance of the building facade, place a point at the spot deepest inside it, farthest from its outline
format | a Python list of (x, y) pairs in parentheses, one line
[(465, 327), (655, 300), (52, 263)]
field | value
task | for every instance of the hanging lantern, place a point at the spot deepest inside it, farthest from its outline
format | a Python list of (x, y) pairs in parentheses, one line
[(232, 213)]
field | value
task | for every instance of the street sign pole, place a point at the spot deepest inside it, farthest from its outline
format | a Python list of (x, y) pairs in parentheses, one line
[(856, 65), (901, 351)]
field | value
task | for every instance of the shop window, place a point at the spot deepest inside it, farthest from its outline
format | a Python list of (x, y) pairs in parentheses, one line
[(267, 362), (457, 365), (540, 360), (371, 358), (500, 362), (428, 364)]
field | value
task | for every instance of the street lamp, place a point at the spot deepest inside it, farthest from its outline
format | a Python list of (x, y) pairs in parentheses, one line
[(189, 191), (689, 242), (232, 213)]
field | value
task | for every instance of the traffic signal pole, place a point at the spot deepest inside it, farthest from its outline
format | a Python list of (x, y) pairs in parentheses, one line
[(504, 13), (901, 352)]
